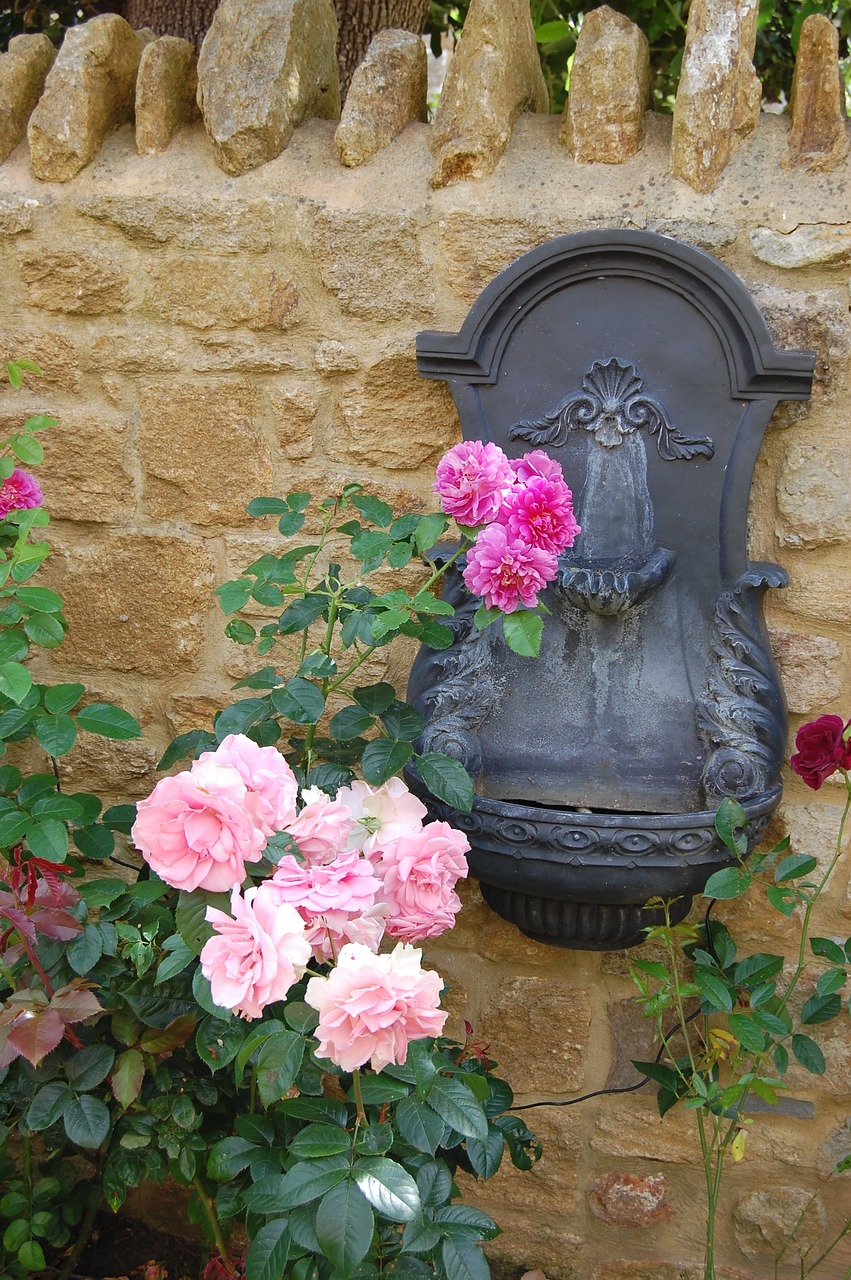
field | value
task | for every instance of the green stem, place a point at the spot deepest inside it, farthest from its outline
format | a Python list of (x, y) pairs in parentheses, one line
[(310, 734), (86, 1228), (212, 1219), (358, 1094)]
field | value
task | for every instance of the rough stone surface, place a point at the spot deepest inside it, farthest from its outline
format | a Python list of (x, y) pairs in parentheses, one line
[(552, 1180), (81, 282), (54, 353), (808, 668), (555, 1018), (818, 588), (166, 92), (718, 97), (387, 92), (814, 493), (119, 771), (630, 1200), (190, 434), (23, 71), (535, 1242), (805, 246), (632, 1038), (90, 90), (818, 133), (762, 1220), (125, 351), (637, 1132), (808, 320), (211, 223), (85, 474), (836, 1147), (603, 118), (812, 828), (295, 408), (331, 356), (206, 292), (263, 68), (235, 354), (494, 74), (373, 263), (16, 214), (135, 602), (475, 247)]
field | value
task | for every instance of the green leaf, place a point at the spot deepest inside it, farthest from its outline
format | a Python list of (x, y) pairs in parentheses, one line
[(178, 956), (447, 779), (419, 1125), (402, 723), (729, 882), (828, 949), (458, 1106), (43, 601), (218, 1042), (820, 1009), (47, 1106), (127, 1077), (14, 825), (300, 700), (782, 900), (15, 681), (463, 1216), (808, 1054), (375, 1139), (796, 865), (240, 716), (31, 1256), (832, 980), (109, 721), (240, 632), (202, 992), (375, 698), (267, 507), (388, 1187), (190, 913), (290, 523), (63, 697), (747, 1032), (344, 1227), (350, 723), (228, 1157), (714, 992), (96, 841), (319, 1140), (14, 646), (306, 1182), (88, 1067), (550, 32), (265, 1031), (44, 629), (278, 1065), (756, 969), (268, 1252), (234, 595), (433, 634), (731, 825), (56, 733), (434, 1181), (48, 839), (301, 613), (486, 1157), (265, 678), (27, 449), (523, 631), (384, 758), (463, 1260), (85, 950), (86, 1121), (187, 746), (429, 530), (373, 509)]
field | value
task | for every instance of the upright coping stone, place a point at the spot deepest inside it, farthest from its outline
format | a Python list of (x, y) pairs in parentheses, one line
[(166, 91), (263, 68), (818, 135), (603, 118), (494, 74), (387, 92), (23, 71)]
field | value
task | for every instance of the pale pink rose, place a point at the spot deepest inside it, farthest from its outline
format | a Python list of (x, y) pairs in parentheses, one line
[(196, 831), (19, 492), (539, 513), (347, 884), (506, 573), (322, 828), (257, 953), (473, 480), (381, 814), (371, 1006), (419, 873), (328, 934), (266, 774), (537, 463)]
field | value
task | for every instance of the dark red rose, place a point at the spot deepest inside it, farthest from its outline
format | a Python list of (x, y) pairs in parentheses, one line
[(821, 750)]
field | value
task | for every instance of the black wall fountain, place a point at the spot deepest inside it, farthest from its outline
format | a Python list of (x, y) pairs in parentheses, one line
[(644, 366)]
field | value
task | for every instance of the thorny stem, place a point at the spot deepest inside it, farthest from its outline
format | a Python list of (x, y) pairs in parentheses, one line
[(212, 1219)]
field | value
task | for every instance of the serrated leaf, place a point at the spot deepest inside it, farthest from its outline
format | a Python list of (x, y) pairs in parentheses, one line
[(833, 980), (178, 957), (48, 838), (713, 990), (434, 1181), (47, 1106), (383, 758), (56, 733), (320, 1140), (793, 867), (15, 681), (228, 1157), (828, 949), (375, 698), (234, 595), (731, 825), (820, 1009), (300, 700), (87, 1122), (350, 723), (239, 717), (729, 882), (127, 1077), (219, 1042), (463, 1260), (306, 1182), (747, 1032), (486, 1157), (267, 507), (63, 697), (388, 1187), (88, 1067), (523, 630), (419, 1125), (344, 1227), (109, 721), (44, 629), (278, 1065), (187, 746), (373, 509), (268, 1252), (808, 1054), (465, 1216), (459, 1107), (190, 916)]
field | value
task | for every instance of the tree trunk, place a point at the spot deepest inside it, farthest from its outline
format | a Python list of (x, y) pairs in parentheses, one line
[(360, 20), (187, 18)]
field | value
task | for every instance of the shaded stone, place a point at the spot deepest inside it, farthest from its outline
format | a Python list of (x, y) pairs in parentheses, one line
[(224, 352), (16, 214), (762, 1221), (818, 134), (166, 91), (387, 92), (808, 245), (633, 1038), (331, 356), (719, 93), (603, 118), (809, 319), (194, 711), (113, 771), (808, 668), (814, 493), (23, 71), (630, 1199), (91, 89), (835, 1148), (373, 263), (494, 74), (813, 828), (534, 1241), (552, 1180), (130, 352), (475, 247), (213, 224), (713, 235), (206, 292), (553, 1017), (79, 282), (264, 68), (636, 1131)]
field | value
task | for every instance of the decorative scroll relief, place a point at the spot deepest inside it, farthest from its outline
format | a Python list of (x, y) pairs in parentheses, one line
[(740, 718)]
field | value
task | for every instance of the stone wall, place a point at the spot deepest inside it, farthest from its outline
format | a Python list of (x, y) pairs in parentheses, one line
[(206, 338)]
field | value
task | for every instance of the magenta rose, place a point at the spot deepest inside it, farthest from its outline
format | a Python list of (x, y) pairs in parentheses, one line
[(196, 831), (539, 513), (506, 573), (419, 873), (822, 750), (270, 781), (257, 953), (371, 1006), (537, 463), (19, 492), (473, 481)]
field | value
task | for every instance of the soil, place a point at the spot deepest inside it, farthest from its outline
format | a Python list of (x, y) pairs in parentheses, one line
[(126, 1249)]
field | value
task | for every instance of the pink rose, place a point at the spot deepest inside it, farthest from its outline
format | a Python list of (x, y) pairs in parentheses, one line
[(322, 828), (507, 573), (420, 872), (19, 492), (195, 829), (269, 779), (539, 513), (328, 934), (381, 814), (537, 463), (347, 884), (473, 480), (258, 952), (371, 1006)]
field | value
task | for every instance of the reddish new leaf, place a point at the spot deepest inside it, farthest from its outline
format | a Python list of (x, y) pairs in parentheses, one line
[(52, 873), (127, 1077), (76, 1002), (55, 923), (171, 1037), (19, 919), (35, 1032)]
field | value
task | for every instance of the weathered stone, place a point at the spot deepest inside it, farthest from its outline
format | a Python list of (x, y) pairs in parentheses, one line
[(90, 90), (113, 771), (213, 224), (494, 74), (79, 281), (814, 493), (813, 828), (818, 134), (809, 320), (191, 434), (228, 353), (637, 1132), (553, 1017), (387, 92), (295, 408), (657, 1269), (762, 1221), (55, 355), (205, 293), (552, 1180), (396, 420), (633, 1038), (808, 667), (807, 245), (16, 214), (835, 1148), (85, 474), (331, 356), (23, 71), (603, 118), (194, 711), (373, 263), (135, 602), (713, 235), (719, 93), (157, 351), (819, 588), (264, 68), (630, 1199), (532, 1240), (166, 92)]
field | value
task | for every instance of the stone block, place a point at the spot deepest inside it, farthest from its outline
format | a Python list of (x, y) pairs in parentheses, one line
[(373, 263), (90, 90), (166, 91), (476, 247), (818, 132), (552, 1180), (835, 1148), (264, 68), (718, 96), (808, 320), (713, 235), (55, 354), (817, 244), (331, 356), (633, 1038), (203, 451), (195, 710), (295, 408), (214, 224), (205, 292), (552, 1016), (135, 602), (808, 668), (814, 493), (387, 92), (16, 214), (23, 71), (630, 1199), (85, 475), (396, 419), (138, 350), (636, 1132), (494, 75), (763, 1219), (603, 118), (116, 772), (230, 353), (535, 1242), (76, 281), (818, 588)]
